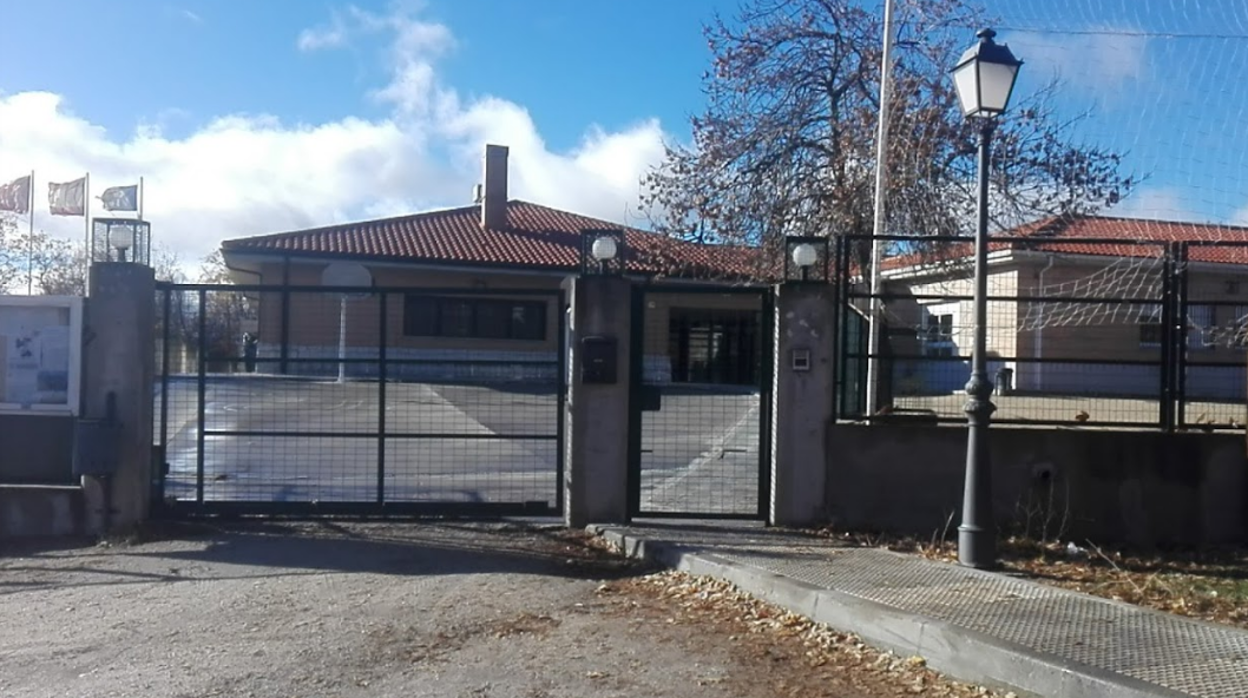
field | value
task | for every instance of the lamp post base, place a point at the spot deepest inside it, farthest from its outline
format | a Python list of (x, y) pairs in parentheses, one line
[(977, 548)]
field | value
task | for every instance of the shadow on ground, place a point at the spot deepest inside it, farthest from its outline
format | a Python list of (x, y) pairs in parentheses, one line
[(256, 550)]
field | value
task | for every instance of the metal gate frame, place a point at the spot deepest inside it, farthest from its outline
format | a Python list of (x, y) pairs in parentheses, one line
[(640, 396), (379, 506)]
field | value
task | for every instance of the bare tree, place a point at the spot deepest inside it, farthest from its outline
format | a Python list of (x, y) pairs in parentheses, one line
[(62, 269), (226, 314), (786, 143), (38, 261), (64, 272), (14, 255)]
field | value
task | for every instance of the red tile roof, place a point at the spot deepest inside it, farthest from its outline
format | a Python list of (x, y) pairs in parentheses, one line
[(1096, 236), (535, 236)]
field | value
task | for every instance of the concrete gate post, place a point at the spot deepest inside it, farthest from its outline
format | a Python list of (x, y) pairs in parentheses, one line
[(596, 472), (119, 357), (802, 395)]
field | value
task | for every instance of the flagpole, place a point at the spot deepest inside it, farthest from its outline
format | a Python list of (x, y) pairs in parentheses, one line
[(86, 210), (149, 232), (30, 242)]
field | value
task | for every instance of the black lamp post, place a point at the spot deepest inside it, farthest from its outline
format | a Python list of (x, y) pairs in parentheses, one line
[(984, 79)]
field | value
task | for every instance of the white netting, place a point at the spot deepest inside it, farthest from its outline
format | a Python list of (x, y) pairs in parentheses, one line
[(1107, 295), (1160, 82)]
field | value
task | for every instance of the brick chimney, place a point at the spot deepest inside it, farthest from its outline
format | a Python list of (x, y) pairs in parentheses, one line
[(494, 188)]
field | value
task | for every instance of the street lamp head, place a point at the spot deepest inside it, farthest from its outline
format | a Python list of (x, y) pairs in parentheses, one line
[(984, 76), (603, 249), (121, 243), (804, 255)]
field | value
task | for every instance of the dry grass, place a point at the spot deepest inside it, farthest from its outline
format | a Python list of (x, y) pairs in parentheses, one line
[(778, 653), (1210, 584)]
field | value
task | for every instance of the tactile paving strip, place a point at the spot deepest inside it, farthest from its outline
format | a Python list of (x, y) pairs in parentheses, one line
[(1197, 658)]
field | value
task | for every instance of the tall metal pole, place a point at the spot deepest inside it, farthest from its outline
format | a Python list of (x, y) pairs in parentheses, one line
[(977, 536), (86, 208), (30, 241), (876, 309), (342, 337)]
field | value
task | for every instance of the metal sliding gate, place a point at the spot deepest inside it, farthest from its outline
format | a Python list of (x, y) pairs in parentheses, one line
[(700, 429), (307, 401)]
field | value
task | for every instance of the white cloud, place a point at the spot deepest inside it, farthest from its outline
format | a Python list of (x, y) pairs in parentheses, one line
[(192, 16), (1102, 59), (1240, 217), (1157, 203), (251, 174)]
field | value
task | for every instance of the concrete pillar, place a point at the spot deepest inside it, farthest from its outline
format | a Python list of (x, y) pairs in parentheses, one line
[(802, 395), (596, 472), (119, 357)]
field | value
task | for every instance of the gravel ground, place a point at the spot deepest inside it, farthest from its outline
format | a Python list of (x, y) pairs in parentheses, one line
[(353, 609)]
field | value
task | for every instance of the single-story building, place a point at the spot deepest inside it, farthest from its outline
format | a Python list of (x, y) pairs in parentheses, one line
[(1091, 318), (457, 327)]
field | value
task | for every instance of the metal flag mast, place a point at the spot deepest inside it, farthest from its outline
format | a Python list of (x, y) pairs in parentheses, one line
[(875, 327), (86, 210), (30, 240)]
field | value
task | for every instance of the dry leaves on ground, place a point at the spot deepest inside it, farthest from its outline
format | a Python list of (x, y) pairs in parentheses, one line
[(1210, 584), (787, 651)]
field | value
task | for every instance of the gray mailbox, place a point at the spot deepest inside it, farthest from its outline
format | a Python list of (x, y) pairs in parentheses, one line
[(96, 444)]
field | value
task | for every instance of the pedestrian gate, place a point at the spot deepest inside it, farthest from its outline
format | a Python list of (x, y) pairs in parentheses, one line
[(700, 432)]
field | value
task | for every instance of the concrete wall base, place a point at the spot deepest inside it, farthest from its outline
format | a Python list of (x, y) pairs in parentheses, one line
[(42, 510)]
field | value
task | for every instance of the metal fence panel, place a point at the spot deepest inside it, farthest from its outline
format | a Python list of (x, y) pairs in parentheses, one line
[(1079, 330), (305, 400)]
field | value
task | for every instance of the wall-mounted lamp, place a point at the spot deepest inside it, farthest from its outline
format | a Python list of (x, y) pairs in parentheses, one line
[(806, 259), (602, 252), (122, 243), (121, 240)]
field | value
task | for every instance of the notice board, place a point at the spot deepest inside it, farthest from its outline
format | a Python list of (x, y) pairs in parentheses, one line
[(40, 354)]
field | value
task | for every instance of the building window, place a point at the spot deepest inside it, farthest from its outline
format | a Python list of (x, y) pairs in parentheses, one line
[(714, 346), (1237, 327), (938, 333), (473, 318), (1149, 320), (1201, 327)]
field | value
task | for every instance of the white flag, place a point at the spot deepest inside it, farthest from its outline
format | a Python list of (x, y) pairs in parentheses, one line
[(15, 196), (68, 198)]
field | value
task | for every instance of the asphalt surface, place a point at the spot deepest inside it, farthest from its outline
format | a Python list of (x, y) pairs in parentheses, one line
[(300, 440), (269, 611)]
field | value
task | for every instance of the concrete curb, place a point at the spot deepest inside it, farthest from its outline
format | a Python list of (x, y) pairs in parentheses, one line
[(964, 654)]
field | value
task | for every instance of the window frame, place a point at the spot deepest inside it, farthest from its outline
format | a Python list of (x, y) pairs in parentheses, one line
[(1239, 337), (1196, 332), (1149, 315), (469, 327), (944, 346)]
